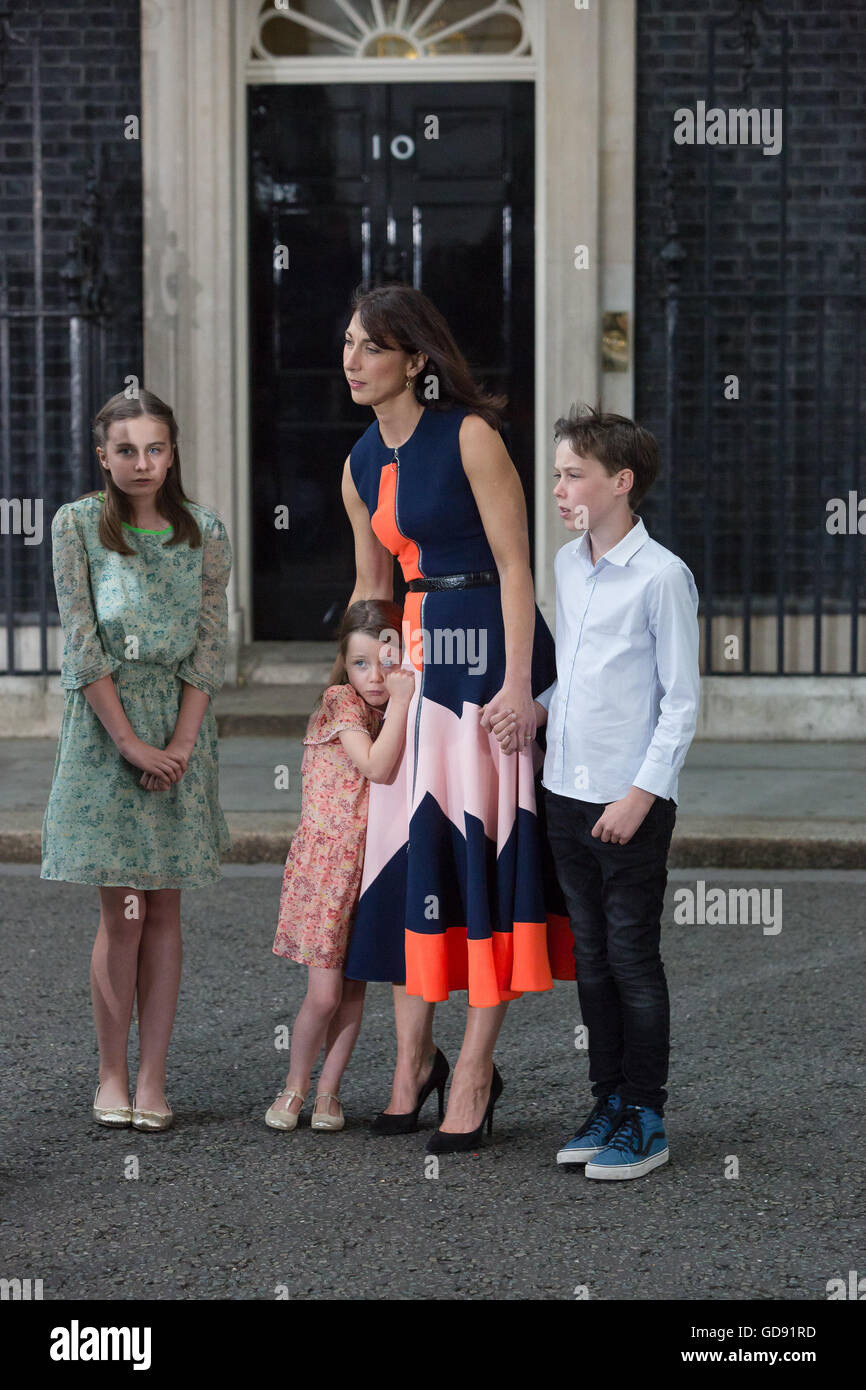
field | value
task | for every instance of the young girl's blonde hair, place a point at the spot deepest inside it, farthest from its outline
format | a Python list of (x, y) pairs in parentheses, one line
[(170, 499)]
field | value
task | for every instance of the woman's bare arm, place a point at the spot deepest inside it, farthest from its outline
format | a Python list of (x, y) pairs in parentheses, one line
[(498, 494), (374, 564)]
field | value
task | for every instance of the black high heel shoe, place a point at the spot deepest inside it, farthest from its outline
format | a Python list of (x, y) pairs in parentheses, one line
[(407, 1123), (444, 1143)]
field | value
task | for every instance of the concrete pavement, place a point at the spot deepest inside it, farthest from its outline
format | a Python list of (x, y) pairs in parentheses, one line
[(762, 1197)]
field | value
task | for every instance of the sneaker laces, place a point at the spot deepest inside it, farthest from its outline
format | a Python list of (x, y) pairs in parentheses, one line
[(628, 1133), (599, 1118)]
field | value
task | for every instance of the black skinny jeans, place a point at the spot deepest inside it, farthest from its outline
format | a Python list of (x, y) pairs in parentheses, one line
[(615, 894)]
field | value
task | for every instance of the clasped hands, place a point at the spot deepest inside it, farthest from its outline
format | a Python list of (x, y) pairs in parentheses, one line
[(512, 717), (509, 721), (161, 767)]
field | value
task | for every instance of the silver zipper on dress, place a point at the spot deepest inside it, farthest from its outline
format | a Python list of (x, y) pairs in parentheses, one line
[(418, 711), (396, 459)]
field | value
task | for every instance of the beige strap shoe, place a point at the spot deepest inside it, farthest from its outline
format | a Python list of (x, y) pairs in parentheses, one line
[(323, 1119), (280, 1116)]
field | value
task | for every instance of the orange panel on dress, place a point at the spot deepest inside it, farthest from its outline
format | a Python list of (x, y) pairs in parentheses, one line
[(384, 524), (413, 638), (494, 969)]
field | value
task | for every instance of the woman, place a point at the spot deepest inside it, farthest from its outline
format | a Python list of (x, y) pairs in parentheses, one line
[(458, 890)]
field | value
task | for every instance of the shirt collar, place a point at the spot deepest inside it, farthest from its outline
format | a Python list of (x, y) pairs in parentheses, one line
[(621, 553)]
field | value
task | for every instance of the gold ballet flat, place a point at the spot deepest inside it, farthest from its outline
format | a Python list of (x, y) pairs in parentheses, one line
[(113, 1116), (325, 1120), (151, 1120), (280, 1116)]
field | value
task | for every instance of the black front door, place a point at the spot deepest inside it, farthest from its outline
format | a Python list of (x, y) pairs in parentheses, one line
[(346, 188)]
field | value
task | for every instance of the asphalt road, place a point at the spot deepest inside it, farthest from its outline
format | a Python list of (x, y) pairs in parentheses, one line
[(767, 1069)]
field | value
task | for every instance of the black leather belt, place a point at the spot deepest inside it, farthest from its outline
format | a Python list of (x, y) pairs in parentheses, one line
[(454, 581)]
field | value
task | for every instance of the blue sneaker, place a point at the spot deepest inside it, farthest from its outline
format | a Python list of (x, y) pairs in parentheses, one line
[(595, 1131), (638, 1145)]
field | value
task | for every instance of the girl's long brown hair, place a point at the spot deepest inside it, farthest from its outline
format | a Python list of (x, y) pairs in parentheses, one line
[(170, 499), (400, 314), (372, 616)]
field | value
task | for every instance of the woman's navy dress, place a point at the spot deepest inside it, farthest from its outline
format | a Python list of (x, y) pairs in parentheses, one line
[(458, 888)]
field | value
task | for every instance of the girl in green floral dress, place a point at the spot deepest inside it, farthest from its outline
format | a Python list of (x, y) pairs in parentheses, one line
[(141, 574)]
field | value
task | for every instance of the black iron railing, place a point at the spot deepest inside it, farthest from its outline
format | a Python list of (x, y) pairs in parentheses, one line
[(763, 412), (42, 340)]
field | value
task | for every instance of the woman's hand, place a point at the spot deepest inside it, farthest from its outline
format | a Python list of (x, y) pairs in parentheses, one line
[(514, 702), (503, 727)]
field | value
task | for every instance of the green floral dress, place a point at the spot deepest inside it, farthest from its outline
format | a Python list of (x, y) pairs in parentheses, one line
[(151, 621)]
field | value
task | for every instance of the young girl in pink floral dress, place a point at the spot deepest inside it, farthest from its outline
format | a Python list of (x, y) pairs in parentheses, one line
[(347, 746)]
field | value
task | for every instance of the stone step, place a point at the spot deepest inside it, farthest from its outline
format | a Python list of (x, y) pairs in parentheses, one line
[(264, 711), (285, 663), (278, 684)]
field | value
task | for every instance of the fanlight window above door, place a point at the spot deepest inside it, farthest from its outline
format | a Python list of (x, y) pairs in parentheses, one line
[(414, 29)]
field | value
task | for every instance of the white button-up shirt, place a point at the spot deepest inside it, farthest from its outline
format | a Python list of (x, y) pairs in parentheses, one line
[(623, 708)]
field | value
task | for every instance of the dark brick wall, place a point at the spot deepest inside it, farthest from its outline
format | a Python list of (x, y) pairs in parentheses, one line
[(749, 480), (90, 81)]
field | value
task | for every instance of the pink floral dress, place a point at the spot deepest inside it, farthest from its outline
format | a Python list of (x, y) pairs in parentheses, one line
[(319, 896)]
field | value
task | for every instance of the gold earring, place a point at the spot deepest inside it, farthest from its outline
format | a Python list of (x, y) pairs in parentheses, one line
[(408, 382)]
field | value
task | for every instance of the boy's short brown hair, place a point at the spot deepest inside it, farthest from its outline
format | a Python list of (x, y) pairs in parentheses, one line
[(615, 441)]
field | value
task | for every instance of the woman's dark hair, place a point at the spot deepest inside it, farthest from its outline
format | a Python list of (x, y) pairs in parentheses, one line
[(170, 499), (373, 617), (615, 441), (401, 315)]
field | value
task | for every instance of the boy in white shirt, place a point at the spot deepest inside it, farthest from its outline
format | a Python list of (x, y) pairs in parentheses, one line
[(620, 717)]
